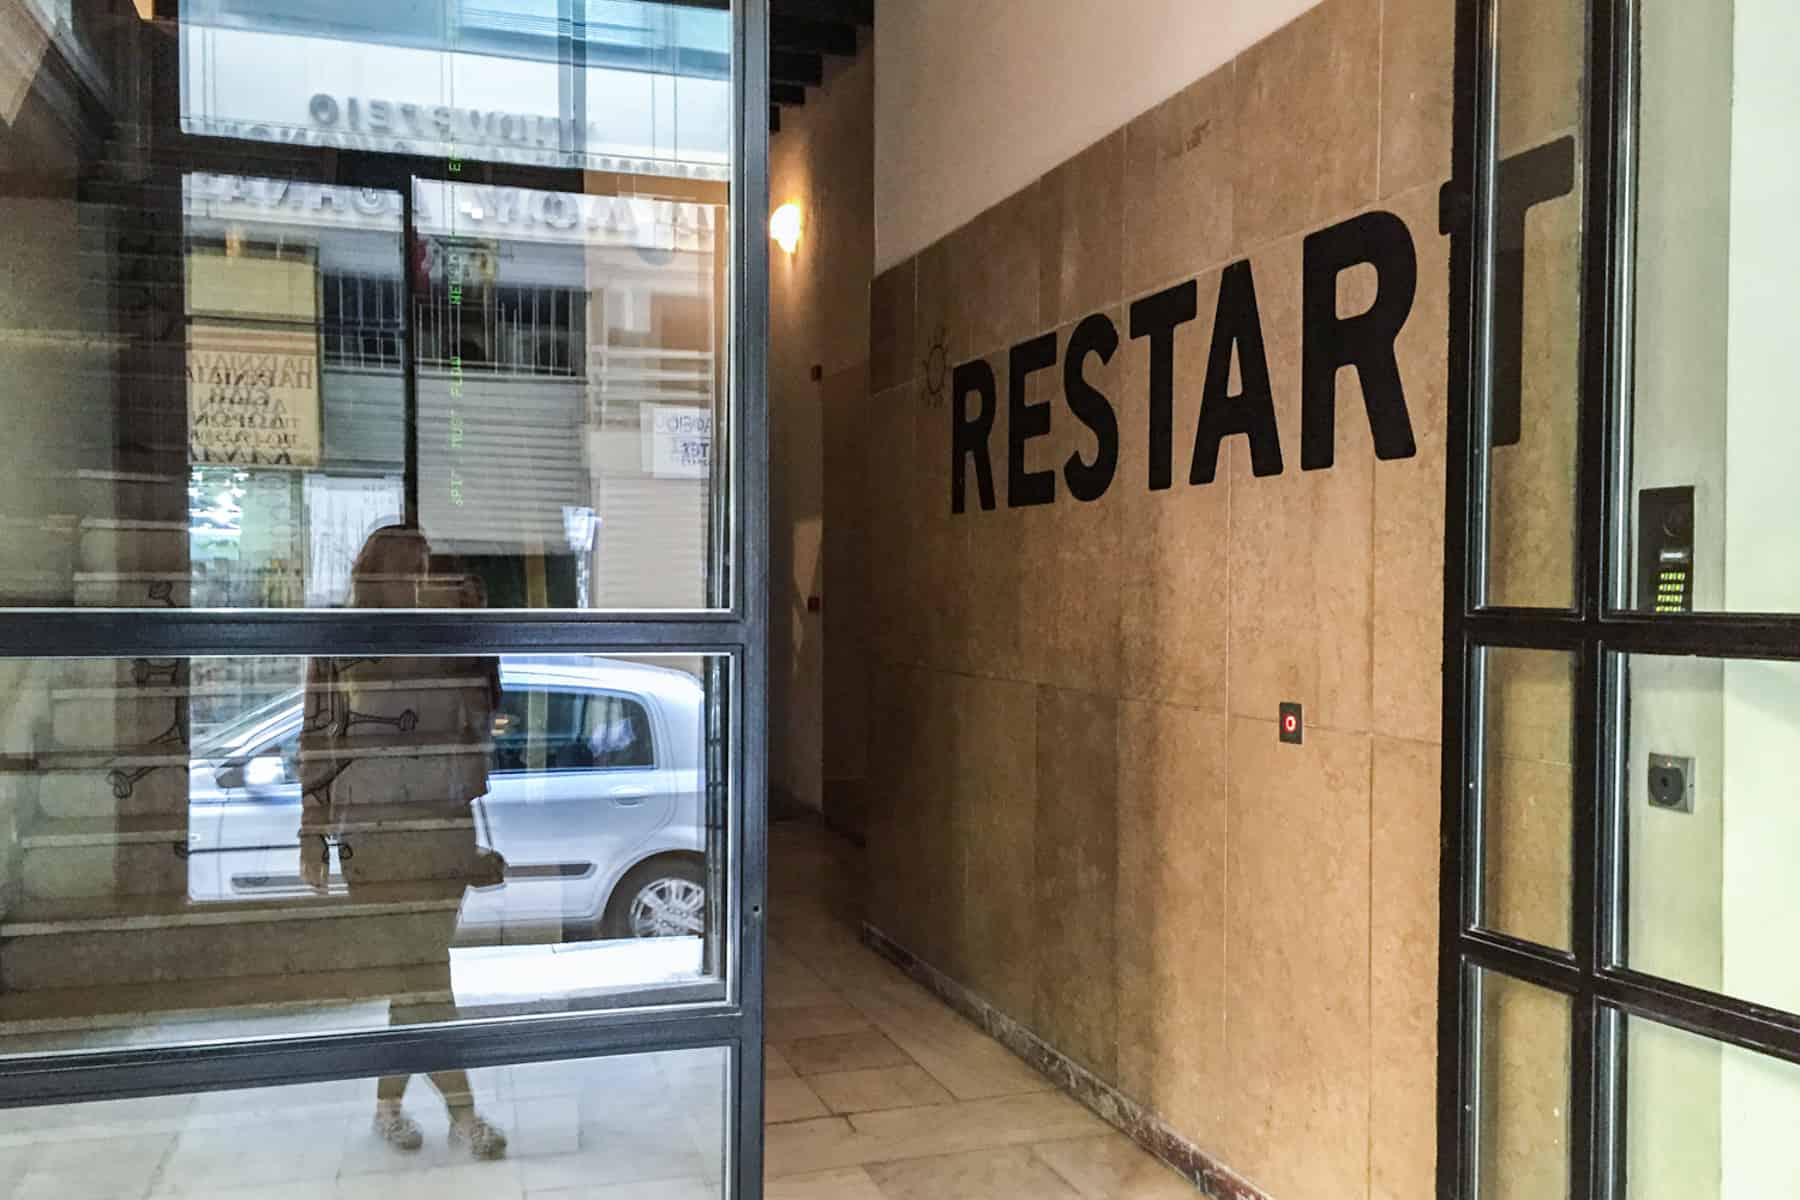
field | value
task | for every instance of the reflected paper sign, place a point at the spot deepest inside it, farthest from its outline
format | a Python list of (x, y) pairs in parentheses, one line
[(253, 396), (677, 441)]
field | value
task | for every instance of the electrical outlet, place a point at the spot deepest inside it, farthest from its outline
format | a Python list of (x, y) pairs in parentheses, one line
[(1671, 781)]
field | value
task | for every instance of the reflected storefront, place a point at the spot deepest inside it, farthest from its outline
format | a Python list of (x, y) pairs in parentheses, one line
[(492, 360), (317, 309), (551, 334)]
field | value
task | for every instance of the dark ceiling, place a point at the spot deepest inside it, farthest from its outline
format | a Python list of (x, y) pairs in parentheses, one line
[(802, 34)]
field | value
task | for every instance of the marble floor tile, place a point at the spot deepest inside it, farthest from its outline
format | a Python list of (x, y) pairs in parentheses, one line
[(925, 1132), (1112, 1167), (882, 1087), (293, 1102), (662, 1189), (775, 1064), (971, 1065), (1012, 1174), (856, 970), (15, 1163), (499, 1180), (793, 984), (814, 1020), (964, 1119), (849, 967), (844, 1052), (543, 1125), (791, 1099), (114, 1168), (209, 1159), (89, 1121), (805, 1147), (616, 1146), (852, 1183), (876, 1091), (307, 1190), (617, 1166)]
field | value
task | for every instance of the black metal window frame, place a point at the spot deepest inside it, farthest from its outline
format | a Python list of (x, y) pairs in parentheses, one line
[(1596, 632), (738, 629)]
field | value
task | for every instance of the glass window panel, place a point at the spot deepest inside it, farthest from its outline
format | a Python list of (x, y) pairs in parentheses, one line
[(1522, 1114), (635, 1125), (485, 81), (1710, 514), (1527, 793), (1712, 832), (228, 847), (1704, 1120), (230, 380), (1535, 314)]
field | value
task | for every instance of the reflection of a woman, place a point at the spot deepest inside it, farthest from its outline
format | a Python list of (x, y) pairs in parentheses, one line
[(361, 716)]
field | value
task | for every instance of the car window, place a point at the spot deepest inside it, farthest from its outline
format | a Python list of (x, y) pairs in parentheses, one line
[(618, 732), (538, 729), (288, 750), (285, 746), (238, 732)]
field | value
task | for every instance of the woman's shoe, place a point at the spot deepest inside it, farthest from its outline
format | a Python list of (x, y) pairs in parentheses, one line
[(398, 1130), (482, 1139)]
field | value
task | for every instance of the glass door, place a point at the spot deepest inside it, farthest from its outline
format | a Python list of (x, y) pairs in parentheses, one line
[(1620, 1009), (382, 620)]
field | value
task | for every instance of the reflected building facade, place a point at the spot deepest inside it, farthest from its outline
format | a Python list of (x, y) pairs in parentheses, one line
[(240, 373), (286, 280)]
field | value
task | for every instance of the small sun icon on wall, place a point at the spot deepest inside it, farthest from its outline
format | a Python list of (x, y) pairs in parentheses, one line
[(936, 368)]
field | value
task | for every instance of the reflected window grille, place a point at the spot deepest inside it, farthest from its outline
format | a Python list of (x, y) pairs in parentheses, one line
[(501, 329), (361, 322), (498, 329)]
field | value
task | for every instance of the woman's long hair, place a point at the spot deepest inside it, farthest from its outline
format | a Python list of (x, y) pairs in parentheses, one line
[(389, 568)]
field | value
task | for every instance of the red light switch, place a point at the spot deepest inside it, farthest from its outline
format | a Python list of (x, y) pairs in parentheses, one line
[(1293, 724)]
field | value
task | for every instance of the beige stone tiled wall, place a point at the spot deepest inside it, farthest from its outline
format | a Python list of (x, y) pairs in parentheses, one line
[(823, 161), (1079, 807)]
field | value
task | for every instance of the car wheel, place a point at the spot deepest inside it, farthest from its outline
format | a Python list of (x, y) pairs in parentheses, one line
[(665, 897)]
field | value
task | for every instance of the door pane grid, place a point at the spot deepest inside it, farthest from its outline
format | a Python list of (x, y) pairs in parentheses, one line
[(1522, 1077), (1526, 779), (1627, 903)]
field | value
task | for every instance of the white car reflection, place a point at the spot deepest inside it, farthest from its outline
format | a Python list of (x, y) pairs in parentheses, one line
[(596, 800)]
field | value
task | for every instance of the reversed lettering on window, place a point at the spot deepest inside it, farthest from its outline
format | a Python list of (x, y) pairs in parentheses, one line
[(677, 441), (253, 396)]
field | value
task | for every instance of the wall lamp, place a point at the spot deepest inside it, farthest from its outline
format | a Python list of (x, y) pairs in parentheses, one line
[(785, 225)]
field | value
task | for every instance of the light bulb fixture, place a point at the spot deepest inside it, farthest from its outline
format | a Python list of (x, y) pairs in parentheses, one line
[(785, 225)]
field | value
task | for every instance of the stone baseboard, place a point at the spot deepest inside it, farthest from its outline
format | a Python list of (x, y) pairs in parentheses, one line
[(1106, 1101)]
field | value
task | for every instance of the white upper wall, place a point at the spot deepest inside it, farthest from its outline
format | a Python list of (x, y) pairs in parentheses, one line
[(974, 99)]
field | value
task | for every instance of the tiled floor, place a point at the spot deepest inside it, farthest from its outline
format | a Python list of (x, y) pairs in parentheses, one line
[(643, 1127), (876, 1091)]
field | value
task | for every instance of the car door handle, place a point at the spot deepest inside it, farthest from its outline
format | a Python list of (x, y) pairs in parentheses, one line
[(630, 797)]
